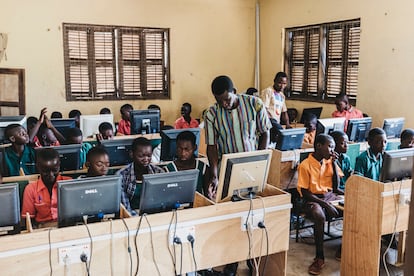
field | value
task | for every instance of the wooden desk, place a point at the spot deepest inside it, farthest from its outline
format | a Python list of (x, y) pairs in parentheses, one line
[(218, 240), (371, 209)]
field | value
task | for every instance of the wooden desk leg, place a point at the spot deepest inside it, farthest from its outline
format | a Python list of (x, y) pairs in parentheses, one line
[(275, 264), (402, 237)]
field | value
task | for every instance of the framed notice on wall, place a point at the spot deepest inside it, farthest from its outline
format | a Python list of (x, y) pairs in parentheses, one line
[(12, 92)]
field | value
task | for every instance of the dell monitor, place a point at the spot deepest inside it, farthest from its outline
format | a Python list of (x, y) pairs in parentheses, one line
[(328, 125), (242, 174), (7, 120), (393, 127), (63, 124), (96, 198), (163, 192), (290, 139), (314, 110), (169, 142), (10, 213), (69, 156), (358, 129), (119, 150), (89, 124), (397, 165), (145, 121)]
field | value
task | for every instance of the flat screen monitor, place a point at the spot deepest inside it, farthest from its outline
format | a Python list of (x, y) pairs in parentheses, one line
[(163, 192), (69, 156), (119, 150), (7, 120), (89, 124), (328, 125), (242, 173), (10, 213), (358, 129), (314, 110), (169, 142), (63, 124), (145, 121), (290, 139), (95, 197), (397, 165), (393, 127)]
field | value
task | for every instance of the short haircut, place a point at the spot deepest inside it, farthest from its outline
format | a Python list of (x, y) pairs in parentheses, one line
[(104, 126), (336, 135), (374, 132), (342, 98), (126, 106), (188, 105), (153, 106), (56, 115), (279, 75), (74, 113), (105, 110), (407, 134), (221, 84), (47, 154), (9, 129), (140, 142), (309, 116), (73, 132), (187, 136), (322, 139), (96, 151), (31, 120), (251, 90)]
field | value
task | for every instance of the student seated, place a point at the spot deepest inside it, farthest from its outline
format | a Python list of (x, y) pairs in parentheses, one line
[(185, 121), (251, 91), (131, 176), (76, 115), (318, 179), (342, 159), (44, 131), (105, 110), (186, 159), (156, 107), (369, 163), (97, 162), (19, 157), (344, 109), (40, 197), (124, 125), (407, 138), (56, 115), (310, 122), (74, 136), (106, 131)]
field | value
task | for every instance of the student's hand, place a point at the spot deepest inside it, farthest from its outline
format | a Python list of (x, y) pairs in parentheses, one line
[(331, 210), (335, 156), (47, 122), (212, 188), (99, 137), (288, 126), (42, 115)]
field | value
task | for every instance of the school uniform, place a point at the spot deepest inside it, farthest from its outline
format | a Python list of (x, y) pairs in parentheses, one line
[(25, 162), (368, 165)]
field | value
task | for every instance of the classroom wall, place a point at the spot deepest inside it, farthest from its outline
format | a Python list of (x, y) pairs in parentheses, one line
[(386, 77), (208, 38)]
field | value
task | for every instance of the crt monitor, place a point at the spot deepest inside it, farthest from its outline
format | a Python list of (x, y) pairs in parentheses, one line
[(7, 120), (119, 150), (169, 142), (96, 198), (89, 124), (242, 173), (393, 127), (290, 139), (168, 191), (358, 129), (328, 125), (63, 124), (314, 110), (145, 121), (10, 213), (69, 156), (397, 165)]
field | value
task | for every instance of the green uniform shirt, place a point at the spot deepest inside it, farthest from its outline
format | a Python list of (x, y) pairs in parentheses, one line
[(367, 165), (14, 162)]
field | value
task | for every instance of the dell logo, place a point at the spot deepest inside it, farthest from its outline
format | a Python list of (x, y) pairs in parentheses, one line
[(91, 191), (172, 185)]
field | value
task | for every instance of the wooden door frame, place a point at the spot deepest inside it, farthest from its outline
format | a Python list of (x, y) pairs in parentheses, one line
[(21, 104)]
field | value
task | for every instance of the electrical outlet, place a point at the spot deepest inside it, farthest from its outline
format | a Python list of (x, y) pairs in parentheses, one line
[(253, 220), (71, 254), (405, 198), (182, 233)]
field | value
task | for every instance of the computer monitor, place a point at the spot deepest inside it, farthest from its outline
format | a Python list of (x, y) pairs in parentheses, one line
[(358, 129), (7, 120), (290, 139), (89, 124), (328, 125), (169, 142), (168, 191), (314, 110), (10, 213), (242, 173), (397, 165), (119, 150), (69, 156), (393, 127), (63, 124), (145, 121), (95, 197)]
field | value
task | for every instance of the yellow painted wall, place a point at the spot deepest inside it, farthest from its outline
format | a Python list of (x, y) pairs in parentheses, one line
[(208, 38), (386, 77)]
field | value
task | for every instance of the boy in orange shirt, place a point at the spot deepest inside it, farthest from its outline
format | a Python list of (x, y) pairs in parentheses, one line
[(344, 109)]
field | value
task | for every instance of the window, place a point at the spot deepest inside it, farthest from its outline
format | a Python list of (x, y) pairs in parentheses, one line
[(323, 60), (115, 63)]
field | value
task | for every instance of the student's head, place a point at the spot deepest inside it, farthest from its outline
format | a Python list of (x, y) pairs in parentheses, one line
[(342, 102), (46, 136), (155, 107), (341, 141), (97, 161), (324, 146), (280, 81), (106, 130), (48, 165), (407, 138), (223, 91), (186, 145), (31, 122), (310, 122), (56, 115), (74, 113), (251, 91), (377, 140), (186, 109), (292, 114), (74, 136), (16, 134), (125, 111), (105, 110), (141, 152)]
